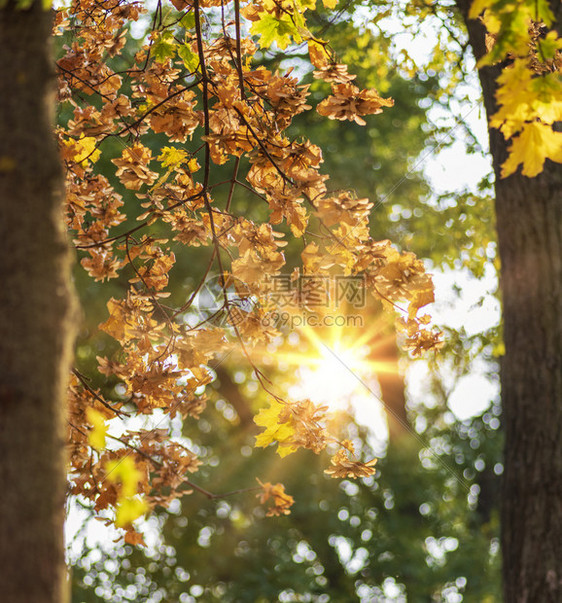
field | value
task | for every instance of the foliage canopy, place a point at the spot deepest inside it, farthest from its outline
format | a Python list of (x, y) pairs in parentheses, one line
[(177, 135)]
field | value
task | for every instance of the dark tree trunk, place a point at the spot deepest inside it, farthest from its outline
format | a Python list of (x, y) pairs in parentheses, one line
[(35, 316), (393, 391), (529, 224)]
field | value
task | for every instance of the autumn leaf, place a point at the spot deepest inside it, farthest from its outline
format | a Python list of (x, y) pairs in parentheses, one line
[(133, 169), (279, 500), (82, 150), (164, 47), (275, 430), (129, 509), (124, 470), (536, 143), (318, 54), (96, 436), (524, 98), (292, 425), (189, 58), (135, 538), (343, 466), (172, 156), (130, 506), (115, 325), (347, 102)]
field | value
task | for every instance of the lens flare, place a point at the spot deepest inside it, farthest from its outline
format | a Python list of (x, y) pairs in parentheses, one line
[(336, 366)]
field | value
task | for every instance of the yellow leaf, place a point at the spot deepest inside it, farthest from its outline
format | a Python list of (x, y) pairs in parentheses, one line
[(128, 510), (124, 470), (524, 98), (96, 436), (84, 150), (330, 3), (88, 150), (275, 431), (129, 505), (172, 157), (477, 7), (536, 143), (116, 324)]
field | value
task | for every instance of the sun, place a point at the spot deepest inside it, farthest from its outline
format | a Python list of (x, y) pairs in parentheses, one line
[(333, 366), (337, 367), (332, 372)]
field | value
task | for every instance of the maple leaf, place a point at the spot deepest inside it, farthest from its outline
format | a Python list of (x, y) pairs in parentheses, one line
[(343, 466), (129, 509), (275, 430), (523, 97), (252, 267), (350, 103), (536, 143), (292, 425), (280, 500), (271, 29), (115, 325), (177, 118), (133, 537), (101, 264), (189, 58), (82, 150), (124, 470), (132, 167), (129, 505), (423, 340), (319, 57), (164, 47), (96, 436), (172, 156), (343, 208)]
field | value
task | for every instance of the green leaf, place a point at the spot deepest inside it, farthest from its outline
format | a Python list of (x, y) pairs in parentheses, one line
[(270, 29), (189, 58), (543, 12), (188, 21), (165, 47), (549, 45)]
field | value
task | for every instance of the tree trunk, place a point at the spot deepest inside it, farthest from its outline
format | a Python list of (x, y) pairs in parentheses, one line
[(529, 224), (35, 316), (393, 390)]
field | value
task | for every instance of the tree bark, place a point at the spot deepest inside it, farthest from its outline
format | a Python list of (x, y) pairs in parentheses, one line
[(529, 225), (393, 390), (36, 305)]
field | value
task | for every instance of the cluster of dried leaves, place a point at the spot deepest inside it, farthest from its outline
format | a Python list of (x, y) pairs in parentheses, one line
[(195, 77)]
